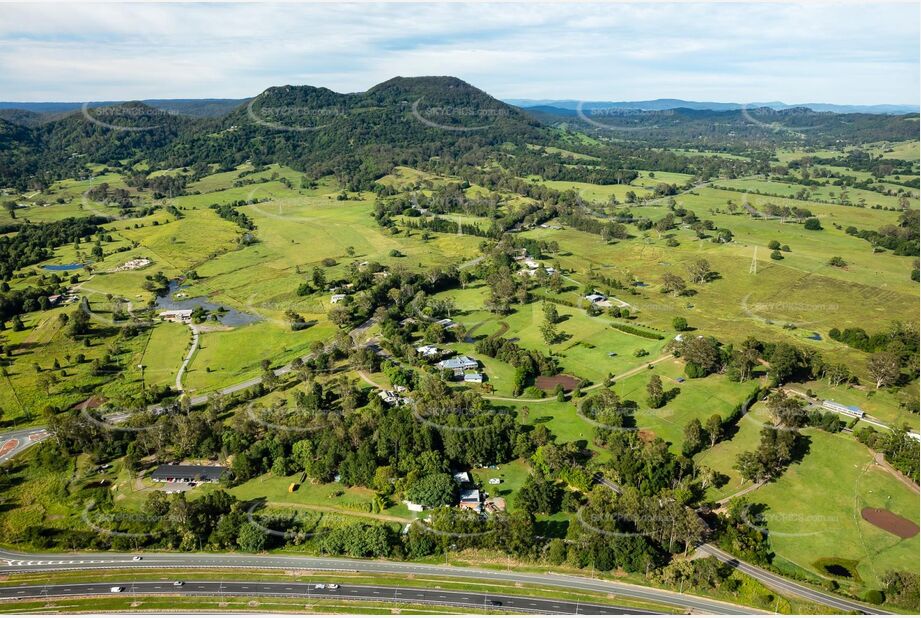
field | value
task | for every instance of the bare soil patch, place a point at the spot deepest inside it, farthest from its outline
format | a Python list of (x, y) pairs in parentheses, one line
[(890, 522), (548, 383)]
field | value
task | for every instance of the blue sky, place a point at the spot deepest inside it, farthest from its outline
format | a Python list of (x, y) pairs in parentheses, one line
[(858, 53)]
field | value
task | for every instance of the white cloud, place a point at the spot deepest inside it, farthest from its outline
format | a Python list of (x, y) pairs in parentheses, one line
[(794, 52)]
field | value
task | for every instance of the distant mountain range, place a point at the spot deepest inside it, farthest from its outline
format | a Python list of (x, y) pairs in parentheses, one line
[(361, 136), (213, 108), (198, 108), (667, 104)]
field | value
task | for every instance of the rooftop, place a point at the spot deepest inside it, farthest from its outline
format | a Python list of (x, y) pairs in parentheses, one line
[(202, 473)]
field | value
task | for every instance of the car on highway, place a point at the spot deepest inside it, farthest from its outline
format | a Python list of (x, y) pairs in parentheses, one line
[(333, 586), (117, 589), (178, 583), (319, 586), (136, 558)]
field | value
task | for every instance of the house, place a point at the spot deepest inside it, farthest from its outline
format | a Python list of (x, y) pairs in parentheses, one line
[(54, 299), (458, 363), (840, 408), (335, 298), (188, 474), (473, 378), (428, 351), (413, 507), (595, 298), (447, 323), (177, 315), (462, 477), (393, 398), (470, 499)]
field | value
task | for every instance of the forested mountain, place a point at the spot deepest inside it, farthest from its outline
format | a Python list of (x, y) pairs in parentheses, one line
[(762, 126), (404, 121), (356, 136)]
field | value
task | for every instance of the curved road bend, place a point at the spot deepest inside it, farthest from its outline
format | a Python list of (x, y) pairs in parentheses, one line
[(786, 586), (772, 580), (307, 592), (20, 562)]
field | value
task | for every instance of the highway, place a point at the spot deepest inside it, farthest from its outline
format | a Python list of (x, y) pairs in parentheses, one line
[(19, 562), (308, 592)]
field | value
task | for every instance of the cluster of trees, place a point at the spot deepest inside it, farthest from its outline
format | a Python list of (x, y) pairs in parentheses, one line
[(35, 242), (528, 364), (230, 213), (900, 449), (901, 239), (778, 448)]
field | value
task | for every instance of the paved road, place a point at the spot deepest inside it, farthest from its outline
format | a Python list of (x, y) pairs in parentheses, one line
[(780, 584), (772, 580), (16, 441), (19, 562), (308, 593)]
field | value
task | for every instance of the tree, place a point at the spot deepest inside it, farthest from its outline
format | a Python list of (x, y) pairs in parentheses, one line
[(787, 411), (251, 538), (714, 429), (539, 495), (884, 368), (551, 314), (548, 331), (774, 245), (655, 393), (680, 324), (433, 490), (673, 284), (837, 261), (901, 588), (693, 437), (318, 277), (776, 255), (10, 206), (699, 271), (812, 224)]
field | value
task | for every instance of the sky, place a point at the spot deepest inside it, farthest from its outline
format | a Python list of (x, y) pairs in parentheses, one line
[(846, 52)]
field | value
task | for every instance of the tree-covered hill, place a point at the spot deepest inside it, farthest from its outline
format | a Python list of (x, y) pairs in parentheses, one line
[(358, 137)]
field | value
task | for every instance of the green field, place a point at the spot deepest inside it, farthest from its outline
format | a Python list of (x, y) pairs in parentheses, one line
[(813, 509)]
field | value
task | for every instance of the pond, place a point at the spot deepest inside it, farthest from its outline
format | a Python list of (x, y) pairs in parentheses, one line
[(228, 317), (59, 267)]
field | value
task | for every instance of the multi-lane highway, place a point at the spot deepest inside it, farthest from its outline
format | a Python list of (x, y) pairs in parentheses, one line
[(310, 593), (18, 562)]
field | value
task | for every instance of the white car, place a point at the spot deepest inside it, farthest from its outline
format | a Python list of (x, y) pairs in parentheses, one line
[(495, 481), (116, 589), (319, 586), (178, 583), (333, 586), (136, 558)]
